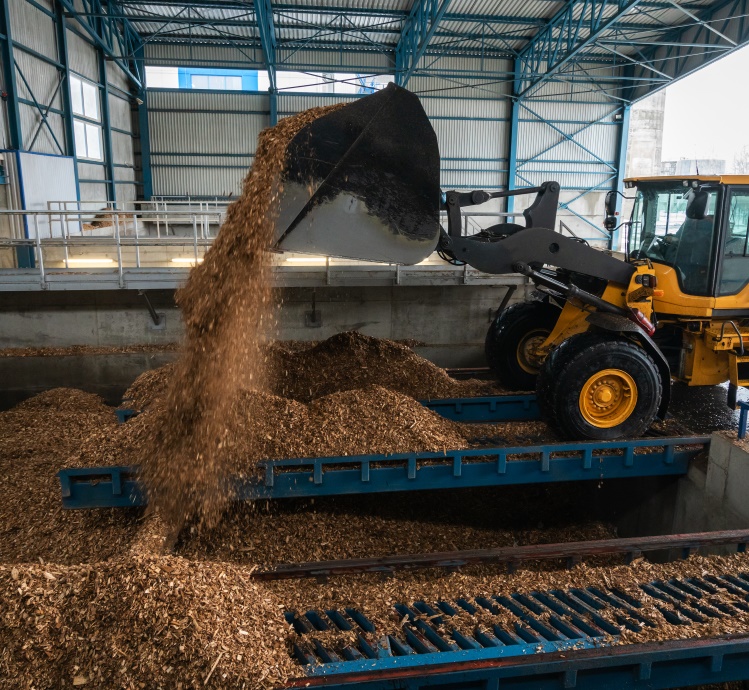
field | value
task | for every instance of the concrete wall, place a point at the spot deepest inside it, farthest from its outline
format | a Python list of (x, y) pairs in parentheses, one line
[(713, 496), (451, 321), (646, 136), (106, 375)]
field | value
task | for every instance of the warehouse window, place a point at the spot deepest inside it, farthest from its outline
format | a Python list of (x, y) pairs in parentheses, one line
[(329, 82), (84, 96), (216, 82)]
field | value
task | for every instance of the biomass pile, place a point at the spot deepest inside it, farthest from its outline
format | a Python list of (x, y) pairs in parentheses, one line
[(75, 350), (36, 437), (260, 426), (376, 597), (352, 360), (343, 362), (226, 306), (149, 386), (142, 622)]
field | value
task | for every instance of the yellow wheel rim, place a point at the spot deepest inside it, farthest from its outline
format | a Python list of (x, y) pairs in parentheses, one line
[(608, 398), (525, 356)]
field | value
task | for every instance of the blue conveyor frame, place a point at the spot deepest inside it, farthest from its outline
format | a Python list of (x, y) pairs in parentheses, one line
[(650, 666), (118, 487)]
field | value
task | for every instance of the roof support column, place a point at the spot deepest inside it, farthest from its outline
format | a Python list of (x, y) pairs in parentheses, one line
[(143, 131), (621, 164), (418, 30), (273, 104), (512, 168), (10, 84), (106, 126), (67, 102)]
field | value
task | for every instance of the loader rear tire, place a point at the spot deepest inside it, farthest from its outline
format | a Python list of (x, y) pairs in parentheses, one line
[(605, 388), (510, 338)]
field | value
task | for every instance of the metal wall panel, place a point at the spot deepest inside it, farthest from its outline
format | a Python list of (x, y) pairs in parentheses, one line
[(196, 181), (122, 149), (180, 55), (44, 143), (202, 142), (124, 175), (91, 171), (188, 99), (41, 77), (32, 28), (120, 115), (291, 103), (93, 192), (126, 192), (116, 77), (369, 62), (82, 57)]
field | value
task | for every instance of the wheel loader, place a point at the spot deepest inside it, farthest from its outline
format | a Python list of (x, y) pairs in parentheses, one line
[(606, 335)]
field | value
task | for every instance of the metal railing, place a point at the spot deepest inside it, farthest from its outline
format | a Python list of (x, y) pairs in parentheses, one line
[(82, 242), (122, 239)]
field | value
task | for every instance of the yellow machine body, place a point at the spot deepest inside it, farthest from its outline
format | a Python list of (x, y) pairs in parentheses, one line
[(708, 334)]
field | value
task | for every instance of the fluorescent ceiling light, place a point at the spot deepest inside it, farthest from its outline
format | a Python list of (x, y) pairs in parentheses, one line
[(187, 260), (305, 259), (93, 261)]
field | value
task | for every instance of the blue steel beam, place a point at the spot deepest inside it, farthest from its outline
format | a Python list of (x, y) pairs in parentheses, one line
[(105, 487), (266, 29), (685, 49), (116, 37), (143, 130), (417, 31), (545, 665), (10, 85), (565, 37)]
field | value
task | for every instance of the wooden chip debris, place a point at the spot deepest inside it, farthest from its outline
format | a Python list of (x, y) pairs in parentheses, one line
[(79, 350)]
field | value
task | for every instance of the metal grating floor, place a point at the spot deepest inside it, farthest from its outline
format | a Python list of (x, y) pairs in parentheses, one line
[(464, 629)]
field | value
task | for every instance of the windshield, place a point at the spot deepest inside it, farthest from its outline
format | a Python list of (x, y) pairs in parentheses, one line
[(665, 230)]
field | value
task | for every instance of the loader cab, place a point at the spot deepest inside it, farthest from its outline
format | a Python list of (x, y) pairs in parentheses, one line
[(699, 227)]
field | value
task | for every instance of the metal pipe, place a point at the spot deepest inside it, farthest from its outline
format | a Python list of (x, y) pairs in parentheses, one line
[(570, 291), (119, 249), (154, 316), (39, 256), (195, 236)]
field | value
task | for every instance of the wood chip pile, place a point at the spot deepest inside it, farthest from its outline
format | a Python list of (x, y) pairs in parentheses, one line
[(36, 438), (261, 426), (352, 360), (143, 622), (77, 350)]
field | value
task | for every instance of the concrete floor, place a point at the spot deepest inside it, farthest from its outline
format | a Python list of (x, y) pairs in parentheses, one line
[(703, 409)]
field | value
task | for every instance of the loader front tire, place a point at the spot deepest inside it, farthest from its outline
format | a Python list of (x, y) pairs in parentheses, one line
[(511, 338), (607, 387)]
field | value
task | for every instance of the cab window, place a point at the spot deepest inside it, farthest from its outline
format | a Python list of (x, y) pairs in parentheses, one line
[(675, 226), (735, 269)]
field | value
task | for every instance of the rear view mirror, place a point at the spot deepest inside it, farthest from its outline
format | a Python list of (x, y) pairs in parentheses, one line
[(611, 202), (610, 221)]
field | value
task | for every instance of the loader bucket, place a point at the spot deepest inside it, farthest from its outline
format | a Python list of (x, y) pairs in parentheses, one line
[(362, 182)]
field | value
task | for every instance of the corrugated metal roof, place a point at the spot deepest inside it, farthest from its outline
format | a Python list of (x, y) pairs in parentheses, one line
[(369, 30)]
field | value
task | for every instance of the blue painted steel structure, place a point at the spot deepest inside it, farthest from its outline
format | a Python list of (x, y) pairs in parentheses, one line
[(587, 54), (104, 487), (489, 409), (424, 661), (417, 31)]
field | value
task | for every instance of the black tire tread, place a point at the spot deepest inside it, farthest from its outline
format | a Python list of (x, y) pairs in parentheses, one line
[(502, 337), (619, 350)]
